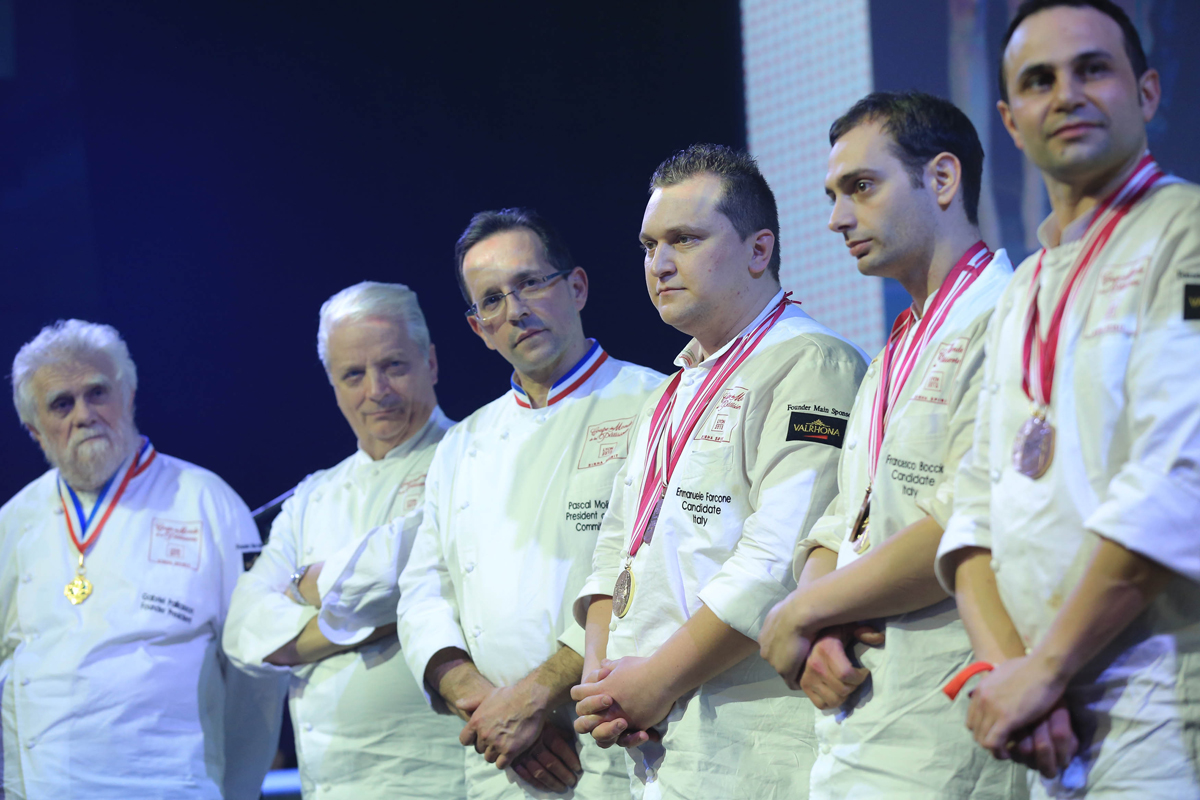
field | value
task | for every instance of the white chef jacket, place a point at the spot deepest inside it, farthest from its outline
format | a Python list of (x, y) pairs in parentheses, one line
[(362, 726), (513, 504), (751, 481), (1126, 412), (125, 695), (899, 737)]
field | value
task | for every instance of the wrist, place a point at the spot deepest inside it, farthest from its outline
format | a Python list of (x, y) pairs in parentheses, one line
[(801, 615), (537, 693), (1053, 666)]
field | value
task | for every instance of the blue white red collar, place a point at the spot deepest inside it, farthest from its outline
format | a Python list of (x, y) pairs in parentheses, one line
[(568, 383)]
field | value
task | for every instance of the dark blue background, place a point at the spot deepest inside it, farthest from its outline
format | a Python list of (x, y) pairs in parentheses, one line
[(202, 175)]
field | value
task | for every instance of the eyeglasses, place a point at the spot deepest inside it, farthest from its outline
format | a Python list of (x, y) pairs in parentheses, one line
[(537, 287)]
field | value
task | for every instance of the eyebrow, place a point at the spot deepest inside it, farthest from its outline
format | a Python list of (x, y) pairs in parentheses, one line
[(1076, 60)]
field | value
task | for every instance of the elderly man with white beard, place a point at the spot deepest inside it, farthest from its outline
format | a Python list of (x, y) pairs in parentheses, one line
[(116, 569)]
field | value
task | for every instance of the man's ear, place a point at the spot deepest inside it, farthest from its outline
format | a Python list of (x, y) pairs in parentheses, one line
[(1006, 118), (762, 248), (945, 175), (1149, 93), (33, 433), (473, 321), (577, 281), (433, 363)]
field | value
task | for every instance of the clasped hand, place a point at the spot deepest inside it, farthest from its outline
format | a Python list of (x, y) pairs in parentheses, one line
[(1017, 712), (619, 702), (510, 729), (814, 661)]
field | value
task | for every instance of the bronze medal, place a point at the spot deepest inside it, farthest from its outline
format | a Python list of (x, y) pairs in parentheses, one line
[(859, 537), (1033, 449), (623, 592)]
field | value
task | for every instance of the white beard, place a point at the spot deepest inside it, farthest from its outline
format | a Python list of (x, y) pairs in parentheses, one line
[(87, 465)]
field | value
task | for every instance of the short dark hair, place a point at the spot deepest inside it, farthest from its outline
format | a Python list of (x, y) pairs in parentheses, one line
[(746, 198), (1133, 42), (489, 223), (921, 126)]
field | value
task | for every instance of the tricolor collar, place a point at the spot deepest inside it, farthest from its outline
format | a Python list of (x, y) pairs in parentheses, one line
[(109, 494), (568, 383)]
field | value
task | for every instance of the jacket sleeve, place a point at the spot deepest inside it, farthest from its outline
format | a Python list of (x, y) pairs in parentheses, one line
[(359, 584), (792, 481), (1151, 503), (261, 617), (427, 612)]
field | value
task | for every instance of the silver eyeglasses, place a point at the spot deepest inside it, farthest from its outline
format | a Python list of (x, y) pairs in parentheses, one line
[(534, 288)]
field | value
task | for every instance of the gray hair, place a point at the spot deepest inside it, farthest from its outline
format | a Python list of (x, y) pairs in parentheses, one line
[(68, 340), (393, 301)]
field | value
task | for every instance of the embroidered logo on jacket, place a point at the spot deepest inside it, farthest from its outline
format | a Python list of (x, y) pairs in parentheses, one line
[(176, 543), (605, 442), (816, 428)]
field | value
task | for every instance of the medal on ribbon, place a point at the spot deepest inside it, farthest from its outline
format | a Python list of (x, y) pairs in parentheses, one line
[(1033, 446), (664, 448), (80, 588), (900, 355)]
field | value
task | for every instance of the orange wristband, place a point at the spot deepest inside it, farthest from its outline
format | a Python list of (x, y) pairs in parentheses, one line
[(965, 674)]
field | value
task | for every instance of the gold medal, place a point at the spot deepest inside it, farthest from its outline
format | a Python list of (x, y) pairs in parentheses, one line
[(859, 537), (623, 592), (79, 589), (1033, 449)]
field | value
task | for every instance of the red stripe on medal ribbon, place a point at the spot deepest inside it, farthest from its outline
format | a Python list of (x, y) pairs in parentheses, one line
[(136, 468), (894, 375), (658, 474), (1099, 231)]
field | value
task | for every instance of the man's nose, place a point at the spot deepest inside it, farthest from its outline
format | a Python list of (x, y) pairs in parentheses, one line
[(377, 384), (83, 415), (841, 217), (1068, 91), (514, 307), (662, 262)]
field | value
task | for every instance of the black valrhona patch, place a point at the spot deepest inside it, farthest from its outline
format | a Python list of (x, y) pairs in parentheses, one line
[(1191, 301), (822, 428)]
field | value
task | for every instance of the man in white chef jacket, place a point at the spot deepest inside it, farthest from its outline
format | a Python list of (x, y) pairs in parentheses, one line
[(904, 179), (513, 504), (116, 569), (362, 727), (755, 466), (1072, 550)]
